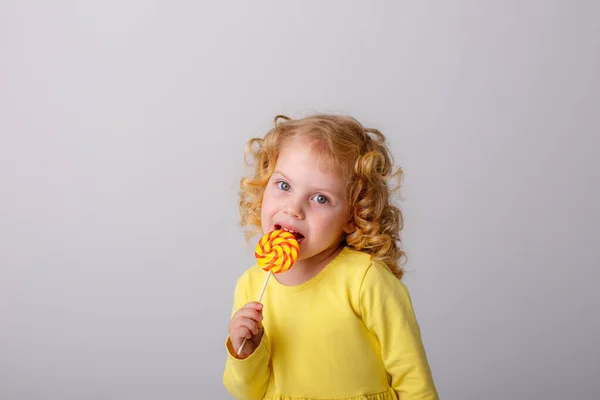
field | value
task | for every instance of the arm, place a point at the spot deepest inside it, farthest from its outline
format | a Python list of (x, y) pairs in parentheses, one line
[(387, 311), (246, 377)]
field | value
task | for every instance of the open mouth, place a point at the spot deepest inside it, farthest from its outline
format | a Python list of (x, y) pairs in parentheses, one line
[(299, 237)]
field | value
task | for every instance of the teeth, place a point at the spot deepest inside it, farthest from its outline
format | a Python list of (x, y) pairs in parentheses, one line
[(288, 230)]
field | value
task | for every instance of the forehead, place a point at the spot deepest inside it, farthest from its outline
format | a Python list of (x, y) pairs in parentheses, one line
[(303, 158)]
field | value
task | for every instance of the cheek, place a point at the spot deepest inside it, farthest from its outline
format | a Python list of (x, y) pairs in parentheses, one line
[(265, 206), (268, 202), (334, 222), (265, 214), (325, 220)]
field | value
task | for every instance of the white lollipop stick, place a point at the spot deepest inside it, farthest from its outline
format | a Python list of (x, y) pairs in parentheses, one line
[(259, 298)]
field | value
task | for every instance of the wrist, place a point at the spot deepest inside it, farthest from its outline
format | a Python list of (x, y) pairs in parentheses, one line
[(233, 351)]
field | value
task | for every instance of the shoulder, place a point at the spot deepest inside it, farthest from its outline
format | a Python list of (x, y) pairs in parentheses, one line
[(380, 279), (355, 262), (349, 268), (371, 285), (379, 273), (367, 271), (374, 282), (382, 293), (365, 277)]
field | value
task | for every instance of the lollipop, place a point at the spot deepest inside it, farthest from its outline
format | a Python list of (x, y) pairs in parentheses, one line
[(276, 252)]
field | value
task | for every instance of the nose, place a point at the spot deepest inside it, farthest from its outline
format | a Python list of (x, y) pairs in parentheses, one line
[(293, 208)]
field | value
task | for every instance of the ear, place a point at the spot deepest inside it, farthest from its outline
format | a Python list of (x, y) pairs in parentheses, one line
[(348, 228)]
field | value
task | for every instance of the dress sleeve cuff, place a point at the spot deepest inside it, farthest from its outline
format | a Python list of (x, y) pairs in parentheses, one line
[(260, 356)]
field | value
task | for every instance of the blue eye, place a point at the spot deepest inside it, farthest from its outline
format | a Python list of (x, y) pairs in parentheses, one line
[(283, 186), (321, 199)]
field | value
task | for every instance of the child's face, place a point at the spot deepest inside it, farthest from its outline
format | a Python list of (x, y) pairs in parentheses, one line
[(307, 196)]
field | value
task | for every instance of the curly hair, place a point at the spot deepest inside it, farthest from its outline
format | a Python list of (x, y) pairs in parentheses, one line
[(360, 155)]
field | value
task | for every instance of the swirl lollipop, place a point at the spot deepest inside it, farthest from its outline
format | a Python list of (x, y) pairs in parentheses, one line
[(276, 252)]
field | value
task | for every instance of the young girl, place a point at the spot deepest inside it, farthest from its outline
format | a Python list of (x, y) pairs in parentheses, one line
[(339, 324)]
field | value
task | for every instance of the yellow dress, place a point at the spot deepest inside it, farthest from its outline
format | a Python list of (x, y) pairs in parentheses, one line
[(348, 333)]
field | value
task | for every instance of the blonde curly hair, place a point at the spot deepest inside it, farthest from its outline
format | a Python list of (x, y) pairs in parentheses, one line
[(362, 158)]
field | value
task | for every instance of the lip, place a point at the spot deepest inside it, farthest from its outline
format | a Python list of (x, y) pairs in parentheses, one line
[(292, 228)]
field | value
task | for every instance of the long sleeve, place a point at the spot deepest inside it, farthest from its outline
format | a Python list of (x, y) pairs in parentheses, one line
[(387, 311), (247, 379)]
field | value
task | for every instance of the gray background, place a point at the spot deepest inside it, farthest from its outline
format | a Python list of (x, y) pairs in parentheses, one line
[(122, 126)]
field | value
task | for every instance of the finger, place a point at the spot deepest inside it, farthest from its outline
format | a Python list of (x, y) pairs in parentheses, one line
[(254, 305), (238, 335), (239, 320), (243, 328), (256, 338), (244, 335), (249, 313), (249, 324)]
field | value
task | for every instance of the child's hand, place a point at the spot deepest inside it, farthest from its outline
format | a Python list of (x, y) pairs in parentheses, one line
[(246, 324)]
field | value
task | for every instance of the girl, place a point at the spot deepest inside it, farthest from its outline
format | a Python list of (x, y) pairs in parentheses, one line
[(339, 324)]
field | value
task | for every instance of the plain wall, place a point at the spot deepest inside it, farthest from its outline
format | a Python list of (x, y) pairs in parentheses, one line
[(122, 129)]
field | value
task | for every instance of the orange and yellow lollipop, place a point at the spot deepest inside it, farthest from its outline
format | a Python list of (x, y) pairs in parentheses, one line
[(276, 252)]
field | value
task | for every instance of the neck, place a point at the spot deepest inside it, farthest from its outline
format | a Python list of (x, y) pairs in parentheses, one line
[(304, 270)]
